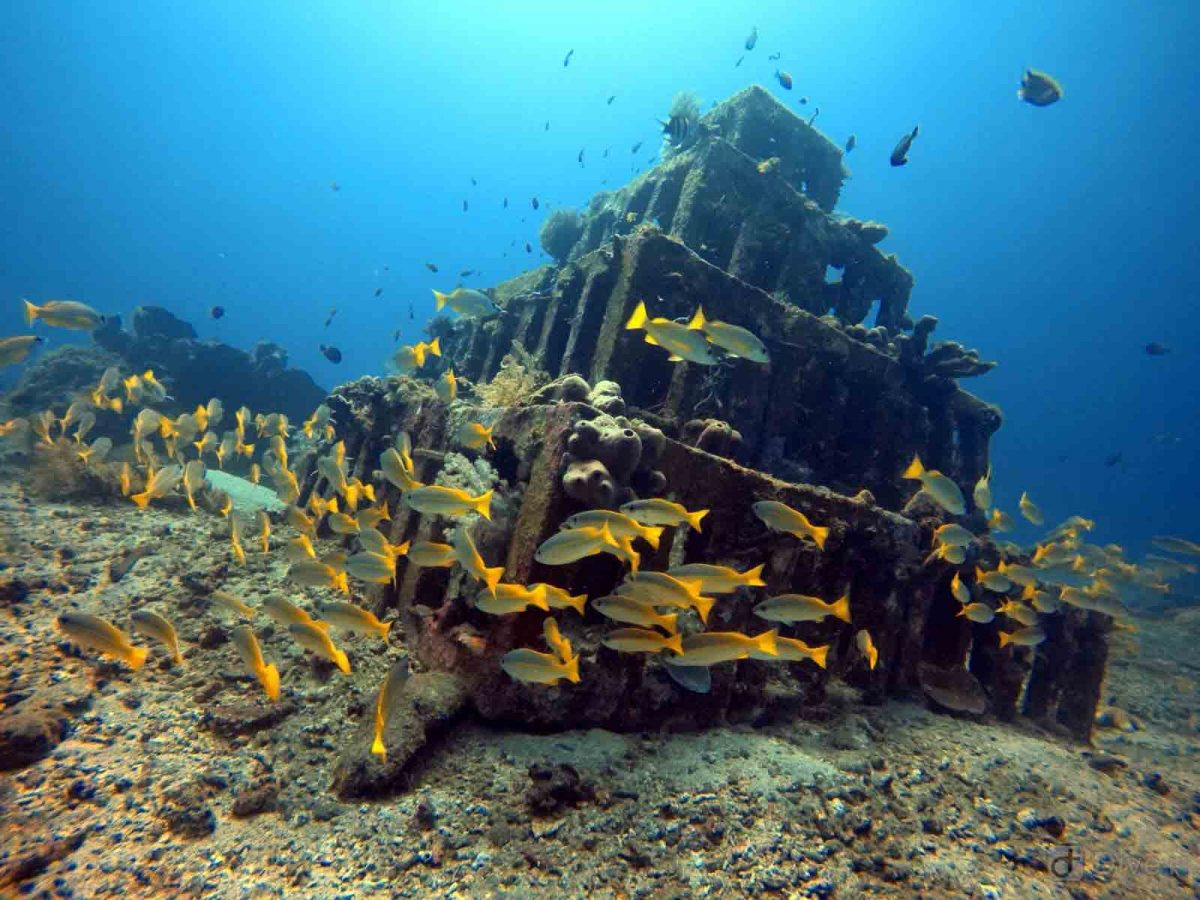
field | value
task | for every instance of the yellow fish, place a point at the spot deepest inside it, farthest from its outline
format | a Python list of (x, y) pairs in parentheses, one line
[(1018, 612), (555, 641), (952, 535), (792, 608), (126, 479), (264, 529), (475, 436), (193, 480), (632, 612), (446, 387), (316, 423), (641, 640), (573, 545), (413, 356), (251, 654), (511, 598), (374, 568), (767, 165), (395, 471), (977, 612), (436, 499), (161, 484), (993, 581), (619, 524), (794, 650), (733, 339), (354, 619), (13, 426), (942, 489), (660, 589), (867, 647), (235, 540), (663, 512), (227, 601), (781, 517), (468, 557), (1023, 637), (277, 446), (373, 541), (680, 341), (373, 515), (710, 648), (466, 302), (1000, 521), (342, 523), (961, 592), (255, 474), (96, 451), (1030, 510), (14, 350), (298, 519), (69, 314), (95, 633), (539, 668), (557, 598), (317, 573), (389, 692), (284, 613), (718, 579), (982, 494), (317, 640), (152, 625), (431, 555), (1017, 574)]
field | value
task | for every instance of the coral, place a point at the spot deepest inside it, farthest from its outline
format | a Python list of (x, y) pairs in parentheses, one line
[(473, 476), (712, 436), (519, 376), (57, 473), (566, 389), (559, 233), (156, 321), (589, 482), (617, 446), (606, 397)]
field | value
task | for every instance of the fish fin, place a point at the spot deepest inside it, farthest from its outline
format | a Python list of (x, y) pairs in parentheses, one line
[(668, 623), (703, 606), (651, 339), (482, 504), (269, 676), (675, 643), (819, 655), (765, 642), (142, 500), (652, 536), (820, 534), (440, 298), (577, 602), (434, 347), (674, 358), (694, 519), (341, 583), (571, 669), (697, 321), (342, 661), (322, 624), (137, 657), (841, 609), (1005, 639), (754, 577), (636, 321), (491, 577), (378, 749), (539, 599), (915, 469)]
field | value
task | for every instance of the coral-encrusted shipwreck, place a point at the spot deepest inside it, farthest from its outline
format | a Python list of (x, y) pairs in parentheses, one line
[(826, 428)]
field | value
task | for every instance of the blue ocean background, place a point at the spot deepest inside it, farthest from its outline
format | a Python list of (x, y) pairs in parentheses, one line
[(184, 155)]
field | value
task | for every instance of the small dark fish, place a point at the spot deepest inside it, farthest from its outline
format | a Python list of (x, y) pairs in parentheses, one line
[(900, 154), (432, 267), (410, 312), (378, 291), (580, 156), (547, 128), (334, 186), (1154, 348), (785, 80), (331, 353), (474, 183), (533, 201), (1039, 89), (611, 99), (329, 318), (804, 101), (636, 147), (739, 62), (505, 203), (396, 335), (528, 247), (851, 143), (567, 58), (464, 206), (753, 38), (604, 155), (774, 56), (813, 117), (217, 311), (1114, 459), (466, 273)]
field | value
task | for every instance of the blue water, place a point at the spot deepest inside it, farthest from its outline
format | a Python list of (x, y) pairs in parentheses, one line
[(183, 154)]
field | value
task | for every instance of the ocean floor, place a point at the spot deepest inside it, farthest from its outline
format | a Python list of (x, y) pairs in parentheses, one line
[(183, 781)]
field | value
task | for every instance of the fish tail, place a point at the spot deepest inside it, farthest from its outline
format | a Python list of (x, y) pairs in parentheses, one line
[(635, 560), (667, 622), (440, 299), (765, 642), (915, 469), (31, 312), (571, 669), (841, 609), (491, 577), (1005, 639), (384, 628), (637, 320), (694, 519), (652, 537), (697, 322), (142, 500), (482, 504), (674, 643), (961, 613), (578, 602), (137, 657), (340, 582), (269, 676), (819, 655), (703, 606), (819, 535), (538, 598), (378, 749), (753, 577), (435, 347), (342, 661)]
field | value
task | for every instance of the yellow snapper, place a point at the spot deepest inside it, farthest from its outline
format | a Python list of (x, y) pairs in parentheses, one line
[(993, 581), (1024, 637), (661, 589), (681, 342), (284, 613), (94, 633), (573, 545), (389, 693), (228, 602), (252, 658), (391, 462), (792, 608), (436, 499), (468, 557), (264, 529), (718, 579), (13, 350), (941, 488), (1000, 521), (466, 302), (152, 625), (619, 524), (431, 555), (961, 592), (952, 535), (476, 436), (317, 573), (641, 640), (663, 512), (69, 314), (733, 339), (354, 619), (794, 650), (1178, 545), (711, 648), (317, 640), (1030, 510), (557, 598), (539, 668), (374, 568), (193, 480), (161, 484), (977, 612), (558, 644), (781, 517), (1018, 612), (511, 598), (446, 387), (982, 495), (631, 612), (413, 356), (866, 646)]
